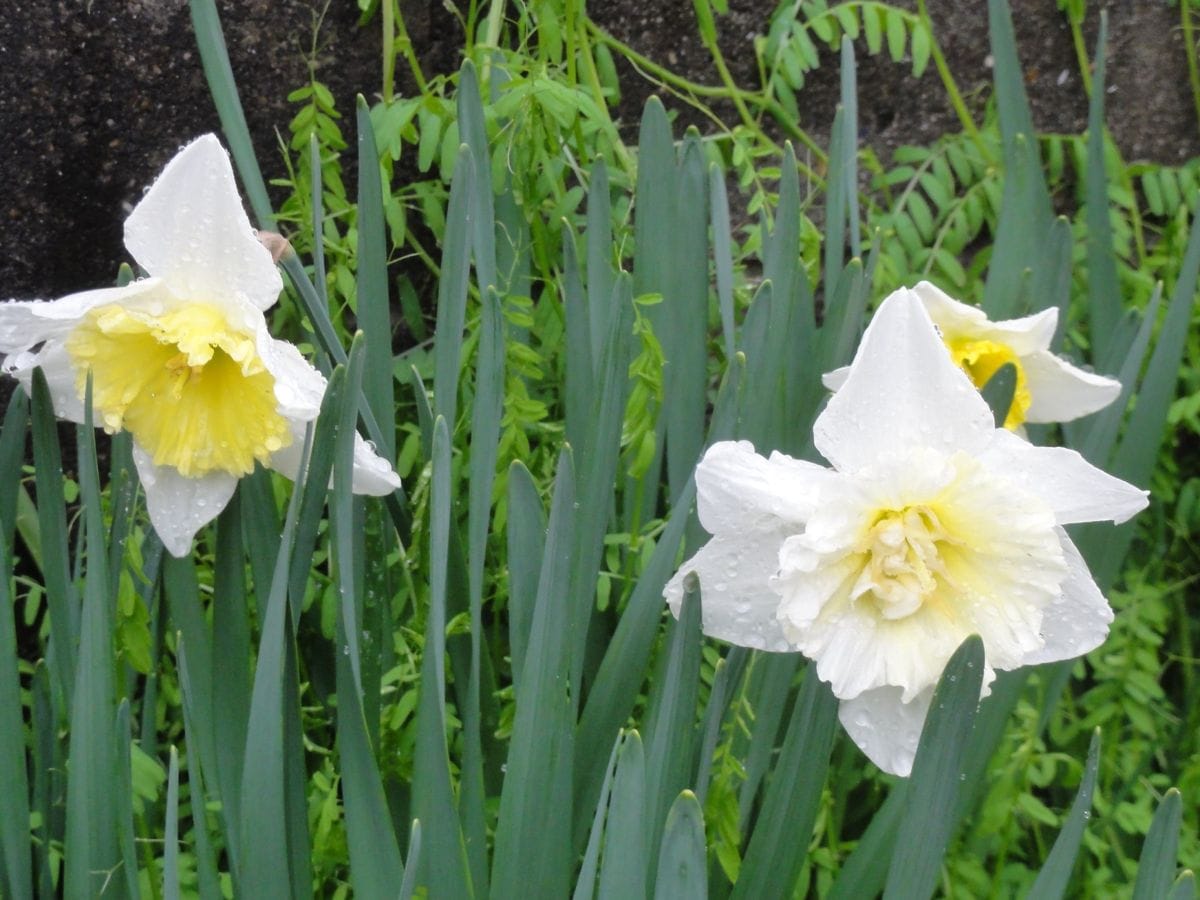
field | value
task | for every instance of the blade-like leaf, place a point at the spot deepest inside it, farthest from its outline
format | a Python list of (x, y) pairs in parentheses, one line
[(1055, 876), (682, 874), (782, 831), (1156, 867), (929, 815)]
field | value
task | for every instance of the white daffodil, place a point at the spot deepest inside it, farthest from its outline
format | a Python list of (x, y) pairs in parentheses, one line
[(1048, 389), (930, 525), (182, 360)]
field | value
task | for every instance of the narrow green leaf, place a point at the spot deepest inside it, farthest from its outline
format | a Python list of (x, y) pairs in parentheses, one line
[(452, 290), (1184, 887), (266, 854), (91, 843), (47, 768), (170, 863), (929, 815), (123, 792), (231, 692), (682, 874), (777, 848), (375, 865), (598, 457), (12, 455), (373, 309), (61, 599), (485, 439), (187, 617), (999, 392), (221, 85), (526, 543), (15, 847), (1104, 289), (599, 252), (615, 687), (722, 255), (771, 681), (533, 830), (580, 366), (671, 714), (726, 678), (443, 865), (585, 884), (483, 216), (624, 869), (206, 869), (681, 320), (1055, 876), (1156, 866)]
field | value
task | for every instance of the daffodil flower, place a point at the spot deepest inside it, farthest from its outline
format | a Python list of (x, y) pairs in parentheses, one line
[(1048, 389), (182, 359), (930, 525)]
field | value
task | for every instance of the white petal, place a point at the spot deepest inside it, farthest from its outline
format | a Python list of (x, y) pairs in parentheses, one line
[(834, 380), (192, 231), (26, 323), (179, 506), (60, 378), (960, 320), (1060, 392), (903, 391), (884, 728), (299, 387), (1077, 622), (1076, 490), (372, 474), (738, 489), (738, 602)]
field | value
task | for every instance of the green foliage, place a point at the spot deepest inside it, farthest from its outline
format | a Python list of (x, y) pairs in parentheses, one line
[(486, 652)]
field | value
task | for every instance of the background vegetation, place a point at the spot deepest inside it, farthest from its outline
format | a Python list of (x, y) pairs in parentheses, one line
[(556, 317)]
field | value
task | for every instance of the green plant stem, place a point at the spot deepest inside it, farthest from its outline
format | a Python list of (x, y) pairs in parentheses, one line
[(667, 77), (1081, 54), (1185, 19), (389, 50), (405, 45), (593, 83), (951, 86)]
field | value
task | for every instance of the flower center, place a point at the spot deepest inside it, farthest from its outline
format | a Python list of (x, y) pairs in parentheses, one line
[(903, 560), (191, 389), (982, 359)]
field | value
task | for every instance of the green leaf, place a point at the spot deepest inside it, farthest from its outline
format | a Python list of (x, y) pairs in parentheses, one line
[(624, 869), (12, 455), (615, 687), (14, 785), (922, 46), (483, 216), (170, 862), (722, 255), (52, 530), (671, 713), (585, 885), (533, 830), (1104, 289), (91, 836), (221, 85), (929, 817), (777, 848), (267, 825), (1055, 876), (373, 309), (681, 862), (443, 864), (452, 290), (999, 392), (1156, 866), (897, 36)]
